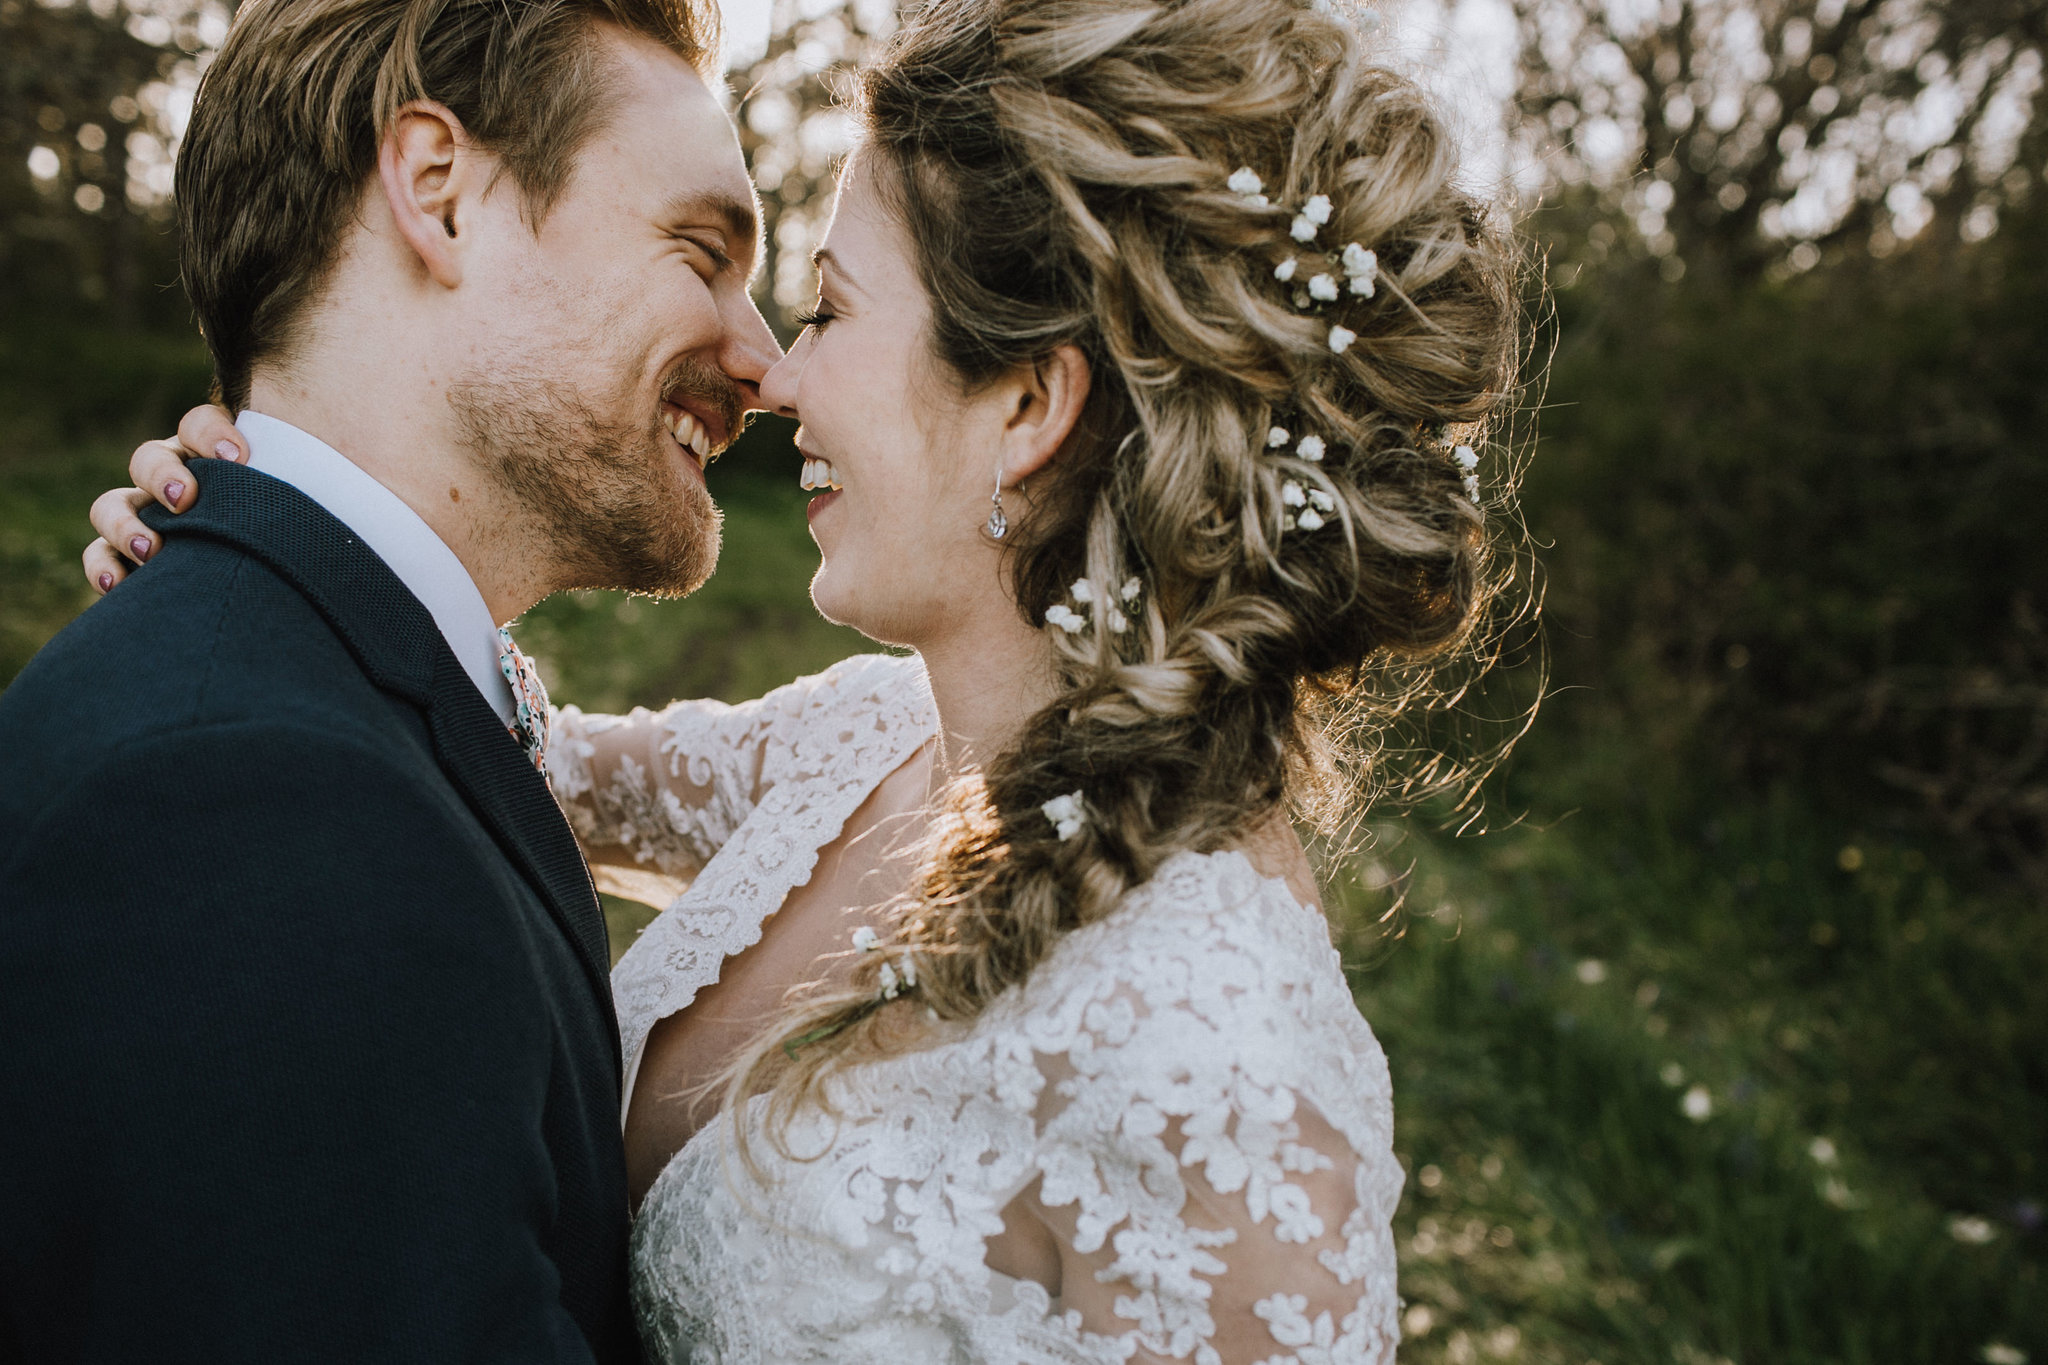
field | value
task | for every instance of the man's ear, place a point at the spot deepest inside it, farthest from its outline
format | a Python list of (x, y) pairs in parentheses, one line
[(430, 175), (1049, 399)]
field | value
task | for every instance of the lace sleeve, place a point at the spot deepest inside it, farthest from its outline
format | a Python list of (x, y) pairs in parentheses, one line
[(1216, 1158), (662, 788)]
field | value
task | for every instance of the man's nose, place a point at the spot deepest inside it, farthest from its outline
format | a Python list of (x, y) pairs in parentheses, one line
[(750, 350)]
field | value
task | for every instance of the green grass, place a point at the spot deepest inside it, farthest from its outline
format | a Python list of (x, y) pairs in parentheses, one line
[(1865, 1015)]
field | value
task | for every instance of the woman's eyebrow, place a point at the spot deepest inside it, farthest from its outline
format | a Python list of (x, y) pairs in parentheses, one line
[(823, 256)]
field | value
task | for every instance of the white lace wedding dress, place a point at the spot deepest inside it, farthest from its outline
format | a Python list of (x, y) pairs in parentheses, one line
[(1185, 1088)]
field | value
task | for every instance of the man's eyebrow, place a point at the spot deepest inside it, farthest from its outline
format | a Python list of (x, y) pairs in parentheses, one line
[(740, 220)]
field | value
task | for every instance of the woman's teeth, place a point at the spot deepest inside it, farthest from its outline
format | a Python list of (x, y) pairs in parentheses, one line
[(689, 433), (819, 474)]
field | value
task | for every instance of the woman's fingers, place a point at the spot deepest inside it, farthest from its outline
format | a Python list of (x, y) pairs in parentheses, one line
[(211, 431), (103, 568), (159, 467), (113, 516)]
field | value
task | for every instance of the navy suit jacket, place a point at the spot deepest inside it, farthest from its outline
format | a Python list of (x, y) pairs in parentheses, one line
[(306, 1038)]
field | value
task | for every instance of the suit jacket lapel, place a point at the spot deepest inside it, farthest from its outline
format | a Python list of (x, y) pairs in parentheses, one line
[(401, 650)]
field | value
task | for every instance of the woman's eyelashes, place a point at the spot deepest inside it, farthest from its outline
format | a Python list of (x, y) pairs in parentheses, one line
[(816, 318)]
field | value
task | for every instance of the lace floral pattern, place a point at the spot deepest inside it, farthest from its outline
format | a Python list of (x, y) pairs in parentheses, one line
[(740, 798), (1184, 1092), (1192, 1092)]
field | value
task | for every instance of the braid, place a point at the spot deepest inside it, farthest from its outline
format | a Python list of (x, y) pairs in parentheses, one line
[(1245, 656)]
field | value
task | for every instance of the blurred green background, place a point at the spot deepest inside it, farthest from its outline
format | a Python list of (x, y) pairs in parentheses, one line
[(1728, 1040)]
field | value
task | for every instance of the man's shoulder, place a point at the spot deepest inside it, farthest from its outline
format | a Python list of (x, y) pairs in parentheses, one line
[(203, 641)]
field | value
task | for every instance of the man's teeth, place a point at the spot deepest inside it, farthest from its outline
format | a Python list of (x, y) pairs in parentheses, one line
[(819, 474), (689, 433)]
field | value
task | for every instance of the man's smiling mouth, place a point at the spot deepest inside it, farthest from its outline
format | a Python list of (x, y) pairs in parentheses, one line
[(690, 433)]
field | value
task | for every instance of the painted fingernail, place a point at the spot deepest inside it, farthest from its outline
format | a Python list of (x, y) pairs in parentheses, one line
[(173, 491), (140, 545), (227, 451), (106, 582)]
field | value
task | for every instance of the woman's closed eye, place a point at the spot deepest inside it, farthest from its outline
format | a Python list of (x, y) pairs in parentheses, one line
[(816, 318)]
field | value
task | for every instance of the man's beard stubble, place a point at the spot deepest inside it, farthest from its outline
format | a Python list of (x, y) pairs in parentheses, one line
[(605, 496)]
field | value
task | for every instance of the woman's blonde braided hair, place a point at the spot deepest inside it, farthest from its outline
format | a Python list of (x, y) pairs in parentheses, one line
[(1061, 166)]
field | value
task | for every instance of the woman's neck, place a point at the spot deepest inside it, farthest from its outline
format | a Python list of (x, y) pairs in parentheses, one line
[(987, 680)]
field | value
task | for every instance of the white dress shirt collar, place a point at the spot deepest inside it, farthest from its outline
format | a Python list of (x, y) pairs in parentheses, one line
[(396, 534)]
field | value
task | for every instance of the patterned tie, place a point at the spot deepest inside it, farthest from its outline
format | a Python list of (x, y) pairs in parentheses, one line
[(529, 700)]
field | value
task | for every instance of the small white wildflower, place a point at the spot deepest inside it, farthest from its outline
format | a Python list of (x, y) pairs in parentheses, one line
[(1245, 182), (1823, 1152), (908, 966), (1291, 494), (866, 940), (1117, 621), (1323, 289), (1301, 229), (1276, 438), (1698, 1104), (1317, 209), (1130, 590), (1971, 1231), (1362, 267), (1061, 615), (1321, 500), (1066, 814), (1466, 456), (1309, 520), (1341, 339), (1284, 271), (1311, 449), (1082, 591)]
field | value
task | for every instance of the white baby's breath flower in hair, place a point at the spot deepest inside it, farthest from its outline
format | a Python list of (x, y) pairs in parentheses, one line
[(1066, 814), (1284, 271), (1363, 269), (1323, 289), (1317, 209), (1061, 615), (1321, 500), (1311, 449), (908, 966), (1301, 229), (866, 940), (1467, 457), (1309, 520), (1472, 487), (1291, 494), (891, 987), (1082, 591), (1341, 339), (1276, 437), (1245, 182), (1117, 621), (1130, 590)]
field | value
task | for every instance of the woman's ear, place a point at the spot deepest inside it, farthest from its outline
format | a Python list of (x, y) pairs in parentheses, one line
[(1049, 399), (429, 174)]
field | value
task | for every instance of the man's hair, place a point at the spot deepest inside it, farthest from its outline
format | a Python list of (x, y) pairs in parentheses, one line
[(287, 123)]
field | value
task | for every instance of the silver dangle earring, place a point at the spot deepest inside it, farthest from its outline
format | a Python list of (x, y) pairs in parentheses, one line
[(998, 524)]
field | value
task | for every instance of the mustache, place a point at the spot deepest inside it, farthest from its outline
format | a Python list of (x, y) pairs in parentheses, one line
[(709, 387)]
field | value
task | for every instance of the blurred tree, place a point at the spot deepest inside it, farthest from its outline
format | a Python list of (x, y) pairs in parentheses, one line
[(92, 97), (1742, 135), (794, 134)]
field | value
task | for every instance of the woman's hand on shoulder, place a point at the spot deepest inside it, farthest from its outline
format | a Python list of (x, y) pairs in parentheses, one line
[(158, 468)]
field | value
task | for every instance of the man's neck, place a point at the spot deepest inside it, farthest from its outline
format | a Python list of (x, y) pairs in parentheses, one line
[(412, 449)]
